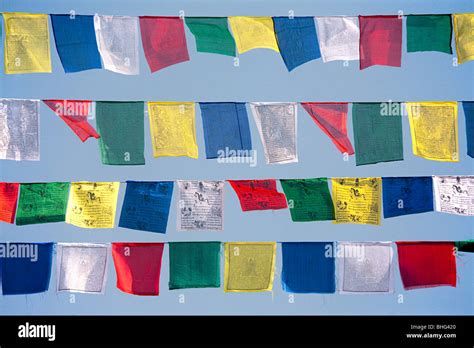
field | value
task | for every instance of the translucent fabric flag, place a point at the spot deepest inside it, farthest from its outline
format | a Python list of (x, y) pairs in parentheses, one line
[(332, 119), (75, 42), (8, 201), (82, 267), (380, 41), (164, 41), (75, 113), (338, 38), (194, 265), (307, 268), (117, 39), (276, 124), (121, 126), (308, 199), (466, 246), (253, 32), (138, 267), (409, 195), (19, 129), (27, 47), (92, 204), (41, 203), (212, 35), (173, 129), (200, 205), (377, 132), (25, 268), (258, 194), (454, 194), (365, 268), (426, 264), (463, 28), (469, 116), (429, 33), (249, 267), (146, 206), (226, 130), (297, 40), (357, 200), (434, 130)]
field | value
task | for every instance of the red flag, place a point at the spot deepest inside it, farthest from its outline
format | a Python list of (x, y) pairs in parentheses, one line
[(332, 119), (138, 267), (8, 201), (258, 194)]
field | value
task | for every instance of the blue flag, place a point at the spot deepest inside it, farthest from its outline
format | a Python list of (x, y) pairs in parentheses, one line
[(469, 116)]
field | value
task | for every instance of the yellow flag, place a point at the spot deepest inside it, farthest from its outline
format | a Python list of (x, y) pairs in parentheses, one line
[(173, 129), (249, 267), (26, 47), (464, 35), (253, 32), (357, 200), (434, 130), (92, 204)]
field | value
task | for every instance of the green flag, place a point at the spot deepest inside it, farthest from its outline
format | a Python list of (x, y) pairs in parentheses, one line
[(465, 245), (429, 33), (212, 35)]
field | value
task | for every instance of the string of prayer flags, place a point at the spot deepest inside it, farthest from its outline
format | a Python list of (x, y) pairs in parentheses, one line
[(454, 194), (469, 116), (146, 206), (429, 33), (338, 38), (8, 201), (253, 32), (258, 194), (212, 35), (465, 246), (463, 28)]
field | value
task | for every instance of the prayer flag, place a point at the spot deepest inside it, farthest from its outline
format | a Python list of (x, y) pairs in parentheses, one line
[(8, 201), (212, 35), (258, 194), (463, 28), (465, 246), (454, 194), (469, 116), (429, 33), (338, 38), (253, 32)]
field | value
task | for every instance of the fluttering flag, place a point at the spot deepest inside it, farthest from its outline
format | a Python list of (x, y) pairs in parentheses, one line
[(297, 40), (75, 42), (426, 264), (308, 267), (27, 43), (19, 125), (454, 194), (407, 195), (466, 246), (117, 39), (469, 116), (173, 129), (41, 203), (463, 28), (377, 132), (146, 206), (276, 124), (226, 130), (357, 200), (82, 267), (200, 205), (253, 32), (8, 201), (25, 267), (212, 35), (308, 199), (332, 119), (434, 130), (338, 38), (258, 194), (194, 265), (164, 41), (121, 126), (92, 204), (249, 267), (429, 33), (380, 41), (138, 267)]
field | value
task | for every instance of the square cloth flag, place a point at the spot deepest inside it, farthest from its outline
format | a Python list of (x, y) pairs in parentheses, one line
[(434, 130), (258, 194), (212, 35), (377, 132), (469, 116), (138, 267), (463, 28), (454, 194), (25, 267), (308, 199), (42, 203), (194, 265), (27, 47), (338, 38), (8, 201), (426, 264), (308, 267), (380, 41), (82, 267), (226, 130), (146, 206), (429, 33), (297, 40), (249, 267), (75, 42), (253, 32), (466, 246), (404, 196), (121, 126)]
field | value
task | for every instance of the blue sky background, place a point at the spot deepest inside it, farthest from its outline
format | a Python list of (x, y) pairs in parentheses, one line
[(261, 76)]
